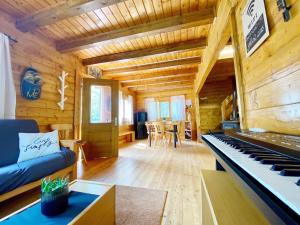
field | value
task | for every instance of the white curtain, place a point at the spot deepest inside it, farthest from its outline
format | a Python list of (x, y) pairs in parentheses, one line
[(129, 110), (178, 107), (121, 108), (7, 87), (151, 108)]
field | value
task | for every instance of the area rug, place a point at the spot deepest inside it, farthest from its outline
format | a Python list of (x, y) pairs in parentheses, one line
[(139, 206)]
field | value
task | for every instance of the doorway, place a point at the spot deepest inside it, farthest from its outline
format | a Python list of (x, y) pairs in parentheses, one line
[(100, 126)]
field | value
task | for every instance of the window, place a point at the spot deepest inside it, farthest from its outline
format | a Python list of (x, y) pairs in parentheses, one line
[(164, 108), (100, 111), (178, 107), (125, 109), (151, 108)]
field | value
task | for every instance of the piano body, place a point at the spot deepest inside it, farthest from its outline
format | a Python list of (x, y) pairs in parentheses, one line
[(267, 165)]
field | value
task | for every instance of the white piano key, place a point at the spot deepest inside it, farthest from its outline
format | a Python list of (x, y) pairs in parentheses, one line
[(285, 188)]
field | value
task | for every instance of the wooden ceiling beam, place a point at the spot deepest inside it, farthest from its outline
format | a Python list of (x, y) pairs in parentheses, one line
[(60, 11), (177, 62), (150, 75), (171, 84), (165, 49), (219, 36), (161, 81), (160, 89), (201, 17)]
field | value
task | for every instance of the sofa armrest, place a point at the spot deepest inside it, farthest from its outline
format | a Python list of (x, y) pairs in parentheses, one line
[(71, 144)]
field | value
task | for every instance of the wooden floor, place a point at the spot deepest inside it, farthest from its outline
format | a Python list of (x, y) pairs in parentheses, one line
[(177, 171)]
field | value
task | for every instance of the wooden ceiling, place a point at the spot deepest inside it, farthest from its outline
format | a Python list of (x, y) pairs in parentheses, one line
[(148, 45)]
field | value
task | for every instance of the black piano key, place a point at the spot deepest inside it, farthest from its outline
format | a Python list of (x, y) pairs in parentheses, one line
[(254, 151), (279, 167), (253, 155), (290, 172), (279, 161), (258, 158)]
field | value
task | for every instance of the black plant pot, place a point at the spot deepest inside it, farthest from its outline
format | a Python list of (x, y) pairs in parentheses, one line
[(54, 203)]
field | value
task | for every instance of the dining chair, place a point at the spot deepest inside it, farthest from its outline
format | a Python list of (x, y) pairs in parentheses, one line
[(159, 134), (150, 132)]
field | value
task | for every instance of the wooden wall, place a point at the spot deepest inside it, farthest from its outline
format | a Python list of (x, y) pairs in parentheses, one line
[(34, 50), (210, 108), (271, 76)]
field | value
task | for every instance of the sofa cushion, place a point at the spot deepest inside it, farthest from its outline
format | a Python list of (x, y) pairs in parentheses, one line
[(31, 170), (9, 176), (9, 138), (34, 145)]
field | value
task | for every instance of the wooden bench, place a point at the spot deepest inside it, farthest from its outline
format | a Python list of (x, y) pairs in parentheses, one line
[(224, 202), (130, 135)]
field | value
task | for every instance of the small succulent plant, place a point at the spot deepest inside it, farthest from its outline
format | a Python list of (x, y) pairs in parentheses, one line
[(54, 186)]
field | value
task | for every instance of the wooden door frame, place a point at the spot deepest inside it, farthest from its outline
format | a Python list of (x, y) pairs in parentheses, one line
[(114, 109)]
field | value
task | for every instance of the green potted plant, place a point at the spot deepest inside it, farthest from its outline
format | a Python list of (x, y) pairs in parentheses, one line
[(55, 193)]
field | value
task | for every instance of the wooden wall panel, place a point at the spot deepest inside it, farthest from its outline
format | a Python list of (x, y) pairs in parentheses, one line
[(271, 75), (210, 99), (38, 52)]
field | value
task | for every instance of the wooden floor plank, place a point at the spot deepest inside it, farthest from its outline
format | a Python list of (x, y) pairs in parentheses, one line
[(176, 171)]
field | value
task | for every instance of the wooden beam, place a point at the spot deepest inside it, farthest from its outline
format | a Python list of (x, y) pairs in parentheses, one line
[(60, 11), (162, 81), (166, 85), (202, 17), (170, 48), (218, 38), (177, 62), (164, 88), (238, 73), (151, 75), (148, 77)]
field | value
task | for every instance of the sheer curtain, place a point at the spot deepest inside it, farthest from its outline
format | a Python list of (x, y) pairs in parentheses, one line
[(178, 107), (121, 108), (129, 110), (125, 109), (7, 87), (151, 109)]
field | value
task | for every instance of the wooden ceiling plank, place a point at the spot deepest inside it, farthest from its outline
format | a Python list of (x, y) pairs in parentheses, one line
[(176, 47), (192, 60), (60, 11), (202, 17)]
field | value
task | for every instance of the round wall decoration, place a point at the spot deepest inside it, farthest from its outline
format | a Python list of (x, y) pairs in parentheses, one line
[(31, 84)]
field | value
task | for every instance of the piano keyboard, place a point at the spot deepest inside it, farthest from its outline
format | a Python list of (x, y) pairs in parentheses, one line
[(279, 173)]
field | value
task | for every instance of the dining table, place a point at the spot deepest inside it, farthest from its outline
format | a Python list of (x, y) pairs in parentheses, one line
[(174, 131)]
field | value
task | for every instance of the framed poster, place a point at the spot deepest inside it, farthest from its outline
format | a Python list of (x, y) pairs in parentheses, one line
[(255, 25), (31, 84)]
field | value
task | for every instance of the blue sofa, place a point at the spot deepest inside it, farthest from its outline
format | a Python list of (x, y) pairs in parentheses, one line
[(16, 177)]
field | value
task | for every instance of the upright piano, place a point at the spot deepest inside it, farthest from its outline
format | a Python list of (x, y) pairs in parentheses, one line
[(268, 167)]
